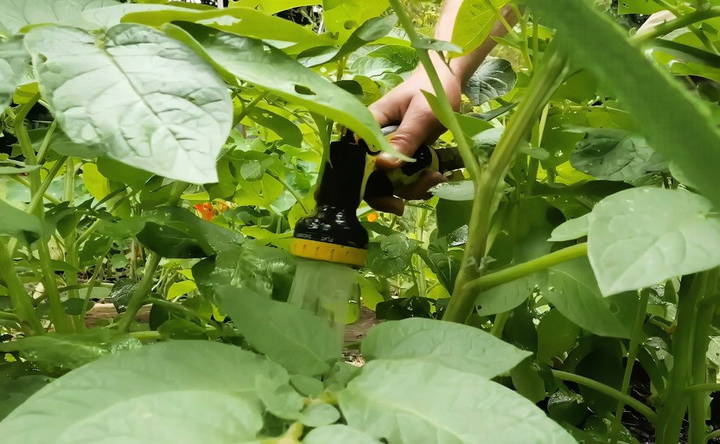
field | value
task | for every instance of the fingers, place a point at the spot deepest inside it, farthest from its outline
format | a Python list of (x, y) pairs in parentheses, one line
[(417, 126), (387, 204), (420, 188)]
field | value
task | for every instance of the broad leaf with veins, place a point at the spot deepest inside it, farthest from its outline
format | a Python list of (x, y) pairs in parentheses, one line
[(143, 98)]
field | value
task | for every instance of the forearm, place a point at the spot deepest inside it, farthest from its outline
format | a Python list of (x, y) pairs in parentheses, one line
[(466, 65)]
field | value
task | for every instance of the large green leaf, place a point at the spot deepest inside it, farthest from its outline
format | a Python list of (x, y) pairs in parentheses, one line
[(157, 394), (612, 154), (338, 433), (63, 352), (457, 346), (304, 343), (642, 236), (423, 402), (507, 296), (250, 59), (676, 124), (240, 21), (572, 289), (14, 63), (15, 222), (112, 15), (112, 90), (16, 14), (474, 22)]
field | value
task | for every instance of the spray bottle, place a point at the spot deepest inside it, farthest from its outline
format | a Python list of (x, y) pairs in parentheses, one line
[(332, 242)]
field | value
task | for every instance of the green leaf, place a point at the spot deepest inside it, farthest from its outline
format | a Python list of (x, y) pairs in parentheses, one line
[(175, 129), (16, 14), (119, 172), (642, 236), (240, 21), (371, 30), (14, 63), (493, 79), (14, 391), (676, 124), (249, 59), (15, 222), (452, 214), (556, 335), (296, 338), (423, 402), (342, 17), (639, 7), (507, 296), (571, 229), (171, 399), (177, 233), (572, 289), (113, 15), (278, 124), (611, 154), (449, 344), (391, 254), (338, 433), (317, 415), (307, 385), (56, 352), (272, 6), (474, 22), (463, 190)]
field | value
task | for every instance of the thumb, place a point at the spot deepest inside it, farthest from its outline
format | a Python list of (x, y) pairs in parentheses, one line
[(419, 125)]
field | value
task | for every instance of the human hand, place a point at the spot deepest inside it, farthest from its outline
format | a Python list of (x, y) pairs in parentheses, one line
[(406, 105)]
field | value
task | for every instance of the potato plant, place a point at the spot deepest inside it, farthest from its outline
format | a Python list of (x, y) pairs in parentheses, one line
[(155, 157)]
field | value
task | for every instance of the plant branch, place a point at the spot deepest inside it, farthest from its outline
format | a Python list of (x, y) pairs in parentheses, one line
[(526, 268), (682, 21), (21, 301), (141, 291), (636, 339), (609, 391)]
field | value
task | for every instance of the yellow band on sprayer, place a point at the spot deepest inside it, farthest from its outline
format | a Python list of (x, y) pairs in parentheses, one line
[(324, 251)]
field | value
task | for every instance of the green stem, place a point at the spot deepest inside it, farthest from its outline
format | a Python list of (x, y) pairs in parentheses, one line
[(526, 268), (708, 387), (682, 21), (674, 403), (499, 324), (542, 85), (26, 184), (149, 335), (46, 142), (636, 340), (609, 391), (141, 291), (21, 301), (697, 409), (57, 313)]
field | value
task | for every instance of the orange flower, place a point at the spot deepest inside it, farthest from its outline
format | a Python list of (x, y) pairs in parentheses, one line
[(222, 206), (372, 217), (206, 210)]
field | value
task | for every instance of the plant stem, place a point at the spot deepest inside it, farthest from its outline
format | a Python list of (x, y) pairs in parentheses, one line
[(526, 268), (543, 84), (21, 301), (141, 291), (697, 413), (46, 142), (675, 400), (681, 21), (708, 387), (609, 391), (57, 313), (636, 339)]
